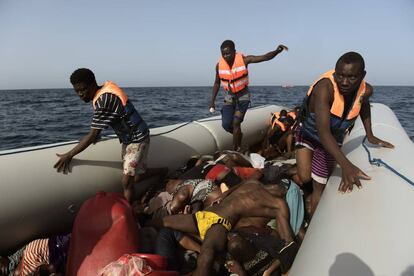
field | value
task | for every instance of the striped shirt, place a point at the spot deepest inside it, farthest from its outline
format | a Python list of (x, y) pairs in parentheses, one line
[(35, 254), (109, 111)]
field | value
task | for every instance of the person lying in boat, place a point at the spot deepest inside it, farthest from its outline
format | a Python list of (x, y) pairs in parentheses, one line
[(231, 72), (112, 108), (250, 199), (262, 249), (172, 244), (258, 252), (41, 254), (220, 167), (329, 110), (285, 188), (270, 175), (289, 190), (229, 172), (194, 192)]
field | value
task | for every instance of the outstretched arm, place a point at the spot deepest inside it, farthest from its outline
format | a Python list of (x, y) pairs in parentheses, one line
[(62, 165), (366, 120), (216, 87), (350, 173), (265, 57)]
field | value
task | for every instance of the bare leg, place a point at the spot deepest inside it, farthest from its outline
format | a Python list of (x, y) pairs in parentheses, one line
[(289, 143), (214, 242), (265, 143), (237, 133), (304, 164), (128, 186), (150, 172), (316, 195), (180, 222)]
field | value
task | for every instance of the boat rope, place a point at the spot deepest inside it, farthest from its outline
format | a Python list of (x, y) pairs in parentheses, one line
[(378, 162), (182, 125)]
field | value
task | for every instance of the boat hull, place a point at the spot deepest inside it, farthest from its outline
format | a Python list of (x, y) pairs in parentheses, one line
[(369, 231), (36, 201)]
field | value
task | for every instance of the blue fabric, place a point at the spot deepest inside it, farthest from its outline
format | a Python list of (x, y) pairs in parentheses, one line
[(339, 127), (296, 206), (58, 252), (167, 245)]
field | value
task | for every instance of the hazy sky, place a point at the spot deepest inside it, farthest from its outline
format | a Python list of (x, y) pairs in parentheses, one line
[(176, 42)]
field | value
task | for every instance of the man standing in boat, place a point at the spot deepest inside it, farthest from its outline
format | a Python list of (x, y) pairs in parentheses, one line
[(112, 108), (329, 110), (232, 73)]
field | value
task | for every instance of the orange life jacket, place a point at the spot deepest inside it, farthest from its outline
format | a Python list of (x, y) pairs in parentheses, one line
[(233, 79), (131, 127), (340, 122), (338, 104), (110, 87)]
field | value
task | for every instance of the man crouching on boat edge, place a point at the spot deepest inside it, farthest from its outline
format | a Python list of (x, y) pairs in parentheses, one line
[(112, 108), (329, 110)]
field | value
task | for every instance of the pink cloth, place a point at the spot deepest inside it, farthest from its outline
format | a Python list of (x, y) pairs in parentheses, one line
[(127, 265)]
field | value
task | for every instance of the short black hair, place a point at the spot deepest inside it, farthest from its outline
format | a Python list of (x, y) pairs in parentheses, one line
[(351, 57), (271, 175), (228, 44), (290, 120), (83, 75)]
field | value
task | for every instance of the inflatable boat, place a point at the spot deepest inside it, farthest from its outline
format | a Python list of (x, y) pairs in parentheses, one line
[(366, 232), (369, 231), (36, 201)]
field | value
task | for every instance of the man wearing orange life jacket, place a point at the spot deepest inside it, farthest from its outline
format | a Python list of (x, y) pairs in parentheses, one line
[(112, 108), (278, 137), (232, 73), (329, 111)]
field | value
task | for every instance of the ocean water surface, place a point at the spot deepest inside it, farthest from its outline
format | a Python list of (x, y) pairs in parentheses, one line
[(43, 116)]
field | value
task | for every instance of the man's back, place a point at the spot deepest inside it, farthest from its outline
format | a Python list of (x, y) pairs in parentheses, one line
[(251, 199)]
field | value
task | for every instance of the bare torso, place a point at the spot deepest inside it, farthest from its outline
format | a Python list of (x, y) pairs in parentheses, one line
[(251, 199)]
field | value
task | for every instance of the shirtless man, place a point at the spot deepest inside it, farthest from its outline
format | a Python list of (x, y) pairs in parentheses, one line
[(250, 199)]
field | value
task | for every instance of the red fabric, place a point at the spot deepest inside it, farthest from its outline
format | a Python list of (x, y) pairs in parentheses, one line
[(156, 262), (245, 172), (215, 171), (103, 231)]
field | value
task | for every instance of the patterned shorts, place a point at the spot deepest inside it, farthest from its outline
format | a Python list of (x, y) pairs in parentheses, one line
[(135, 158), (323, 163)]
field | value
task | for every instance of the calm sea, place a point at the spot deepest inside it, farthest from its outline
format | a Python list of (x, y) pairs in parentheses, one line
[(44, 116)]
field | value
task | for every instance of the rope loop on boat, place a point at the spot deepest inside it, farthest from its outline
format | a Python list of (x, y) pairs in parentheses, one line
[(379, 162)]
